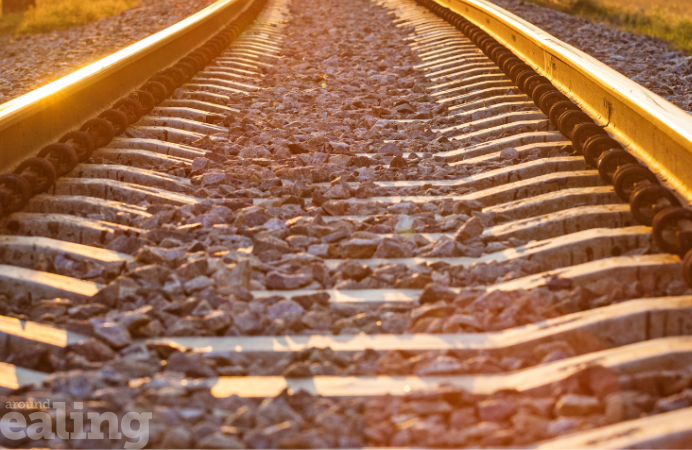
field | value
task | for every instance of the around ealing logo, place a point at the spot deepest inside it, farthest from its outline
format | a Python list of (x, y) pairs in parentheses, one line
[(17, 426)]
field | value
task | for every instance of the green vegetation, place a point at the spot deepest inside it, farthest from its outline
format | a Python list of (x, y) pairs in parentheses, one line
[(669, 20), (52, 15)]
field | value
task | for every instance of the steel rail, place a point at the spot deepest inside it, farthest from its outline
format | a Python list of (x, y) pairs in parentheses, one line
[(40, 117), (650, 127)]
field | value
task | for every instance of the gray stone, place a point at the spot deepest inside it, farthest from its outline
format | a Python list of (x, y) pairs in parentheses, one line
[(213, 179), (442, 248), (219, 440), (321, 250), (462, 321), (390, 149), (495, 410), (93, 350), (462, 418), (338, 191), (317, 320), (284, 307), (282, 281), (274, 224), (155, 273), (509, 153), (358, 248), (199, 164), (198, 283), (563, 425), (273, 411), (392, 248), (201, 309), (112, 334), (435, 292), (491, 301), (248, 322), (191, 364), (353, 270), (252, 216), (472, 228), (442, 365), (133, 320), (176, 437), (186, 326), (307, 301), (193, 269), (402, 208), (118, 290), (217, 321), (427, 407), (431, 310)]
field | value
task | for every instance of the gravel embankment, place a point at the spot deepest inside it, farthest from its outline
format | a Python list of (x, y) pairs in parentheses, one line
[(28, 62), (193, 275), (648, 61)]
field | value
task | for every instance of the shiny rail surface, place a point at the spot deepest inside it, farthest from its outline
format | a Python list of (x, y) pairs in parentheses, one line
[(573, 176)]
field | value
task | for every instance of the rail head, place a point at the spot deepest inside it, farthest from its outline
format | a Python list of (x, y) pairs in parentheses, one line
[(650, 127), (42, 116)]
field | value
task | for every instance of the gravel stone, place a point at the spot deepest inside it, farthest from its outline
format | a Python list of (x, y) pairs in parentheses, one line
[(219, 440), (276, 280), (472, 228), (112, 334), (285, 307), (496, 410)]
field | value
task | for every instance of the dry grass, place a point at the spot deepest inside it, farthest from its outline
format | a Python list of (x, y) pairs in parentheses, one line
[(669, 20), (681, 8), (9, 23), (52, 15)]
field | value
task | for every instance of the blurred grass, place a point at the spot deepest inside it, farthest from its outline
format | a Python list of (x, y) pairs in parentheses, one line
[(669, 20), (9, 23), (53, 15)]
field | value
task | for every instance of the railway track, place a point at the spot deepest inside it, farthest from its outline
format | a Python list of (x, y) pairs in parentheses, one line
[(316, 230)]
